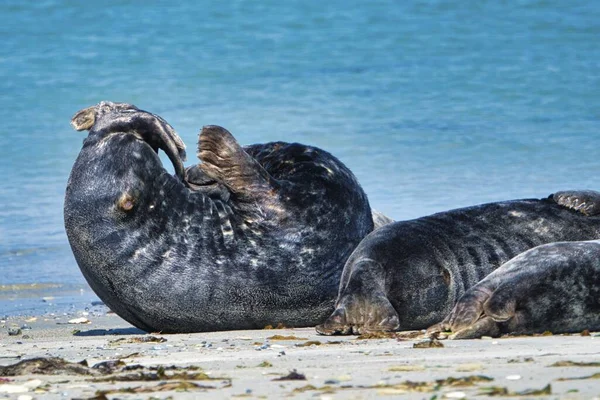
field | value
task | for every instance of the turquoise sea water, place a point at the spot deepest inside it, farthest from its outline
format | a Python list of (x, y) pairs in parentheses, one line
[(433, 104)]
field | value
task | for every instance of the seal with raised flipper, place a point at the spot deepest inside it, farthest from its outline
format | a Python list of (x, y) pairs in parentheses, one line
[(252, 236), (409, 274)]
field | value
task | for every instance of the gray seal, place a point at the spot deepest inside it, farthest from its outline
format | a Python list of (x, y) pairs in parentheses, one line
[(250, 237), (554, 287), (409, 274)]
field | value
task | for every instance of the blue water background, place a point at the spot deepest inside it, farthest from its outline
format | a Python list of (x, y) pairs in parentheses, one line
[(433, 104)]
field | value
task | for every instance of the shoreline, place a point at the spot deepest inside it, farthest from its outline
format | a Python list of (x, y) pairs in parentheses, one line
[(234, 364)]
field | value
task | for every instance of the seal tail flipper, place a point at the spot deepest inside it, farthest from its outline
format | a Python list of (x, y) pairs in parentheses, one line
[(224, 160), (108, 117), (585, 201)]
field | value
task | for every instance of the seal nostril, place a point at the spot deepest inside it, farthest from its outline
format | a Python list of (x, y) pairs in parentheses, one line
[(126, 202)]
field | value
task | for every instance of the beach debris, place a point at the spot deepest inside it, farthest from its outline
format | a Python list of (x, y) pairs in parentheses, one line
[(45, 366), (282, 337), (309, 343), (108, 371), (377, 335), (108, 367), (428, 344), (292, 376), (136, 373), (80, 320), (323, 389), (138, 339), (503, 391), (406, 368), (278, 326), (517, 360), (575, 364), (593, 376), (161, 387), (464, 380), (14, 331), (585, 332), (410, 335), (265, 364), (513, 377)]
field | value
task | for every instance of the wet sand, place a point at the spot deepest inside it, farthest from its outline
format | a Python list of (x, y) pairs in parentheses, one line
[(248, 364)]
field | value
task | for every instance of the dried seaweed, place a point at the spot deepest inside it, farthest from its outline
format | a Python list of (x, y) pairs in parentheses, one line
[(309, 343), (593, 376), (502, 391), (138, 339), (428, 344), (377, 335), (47, 366), (292, 376), (575, 364), (281, 337)]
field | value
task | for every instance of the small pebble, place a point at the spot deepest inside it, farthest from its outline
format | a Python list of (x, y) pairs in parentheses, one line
[(80, 320), (455, 395), (513, 377)]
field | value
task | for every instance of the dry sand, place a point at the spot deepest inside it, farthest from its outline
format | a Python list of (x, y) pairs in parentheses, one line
[(246, 364)]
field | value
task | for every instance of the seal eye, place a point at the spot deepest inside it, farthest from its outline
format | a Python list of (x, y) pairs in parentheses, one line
[(126, 202)]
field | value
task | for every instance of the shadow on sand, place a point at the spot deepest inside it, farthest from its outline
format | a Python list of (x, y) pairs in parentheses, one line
[(117, 331)]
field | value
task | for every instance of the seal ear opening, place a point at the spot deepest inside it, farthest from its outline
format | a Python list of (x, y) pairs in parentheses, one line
[(84, 119)]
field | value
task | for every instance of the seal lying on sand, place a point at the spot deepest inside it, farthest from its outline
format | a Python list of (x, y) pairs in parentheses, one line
[(409, 274), (254, 236), (554, 287)]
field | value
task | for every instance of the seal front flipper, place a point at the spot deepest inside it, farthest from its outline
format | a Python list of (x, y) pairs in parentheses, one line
[(197, 180), (224, 160), (585, 201), (553, 287), (362, 305), (108, 117), (467, 320)]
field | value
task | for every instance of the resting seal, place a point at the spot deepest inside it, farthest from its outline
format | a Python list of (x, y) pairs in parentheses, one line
[(251, 236), (408, 275), (554, 287)]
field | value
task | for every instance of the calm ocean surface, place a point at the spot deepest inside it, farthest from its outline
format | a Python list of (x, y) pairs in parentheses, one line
[(433, 105)]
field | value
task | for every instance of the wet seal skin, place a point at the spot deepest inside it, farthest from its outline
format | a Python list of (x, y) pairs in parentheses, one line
[(554, 287), (251, 236), (408, 275)]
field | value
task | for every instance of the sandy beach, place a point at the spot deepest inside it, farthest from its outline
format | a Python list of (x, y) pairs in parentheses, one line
[(108, 358)]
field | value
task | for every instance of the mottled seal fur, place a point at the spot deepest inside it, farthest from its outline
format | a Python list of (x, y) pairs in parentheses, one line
[(554, 287), (409, 274), (250, 237)]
